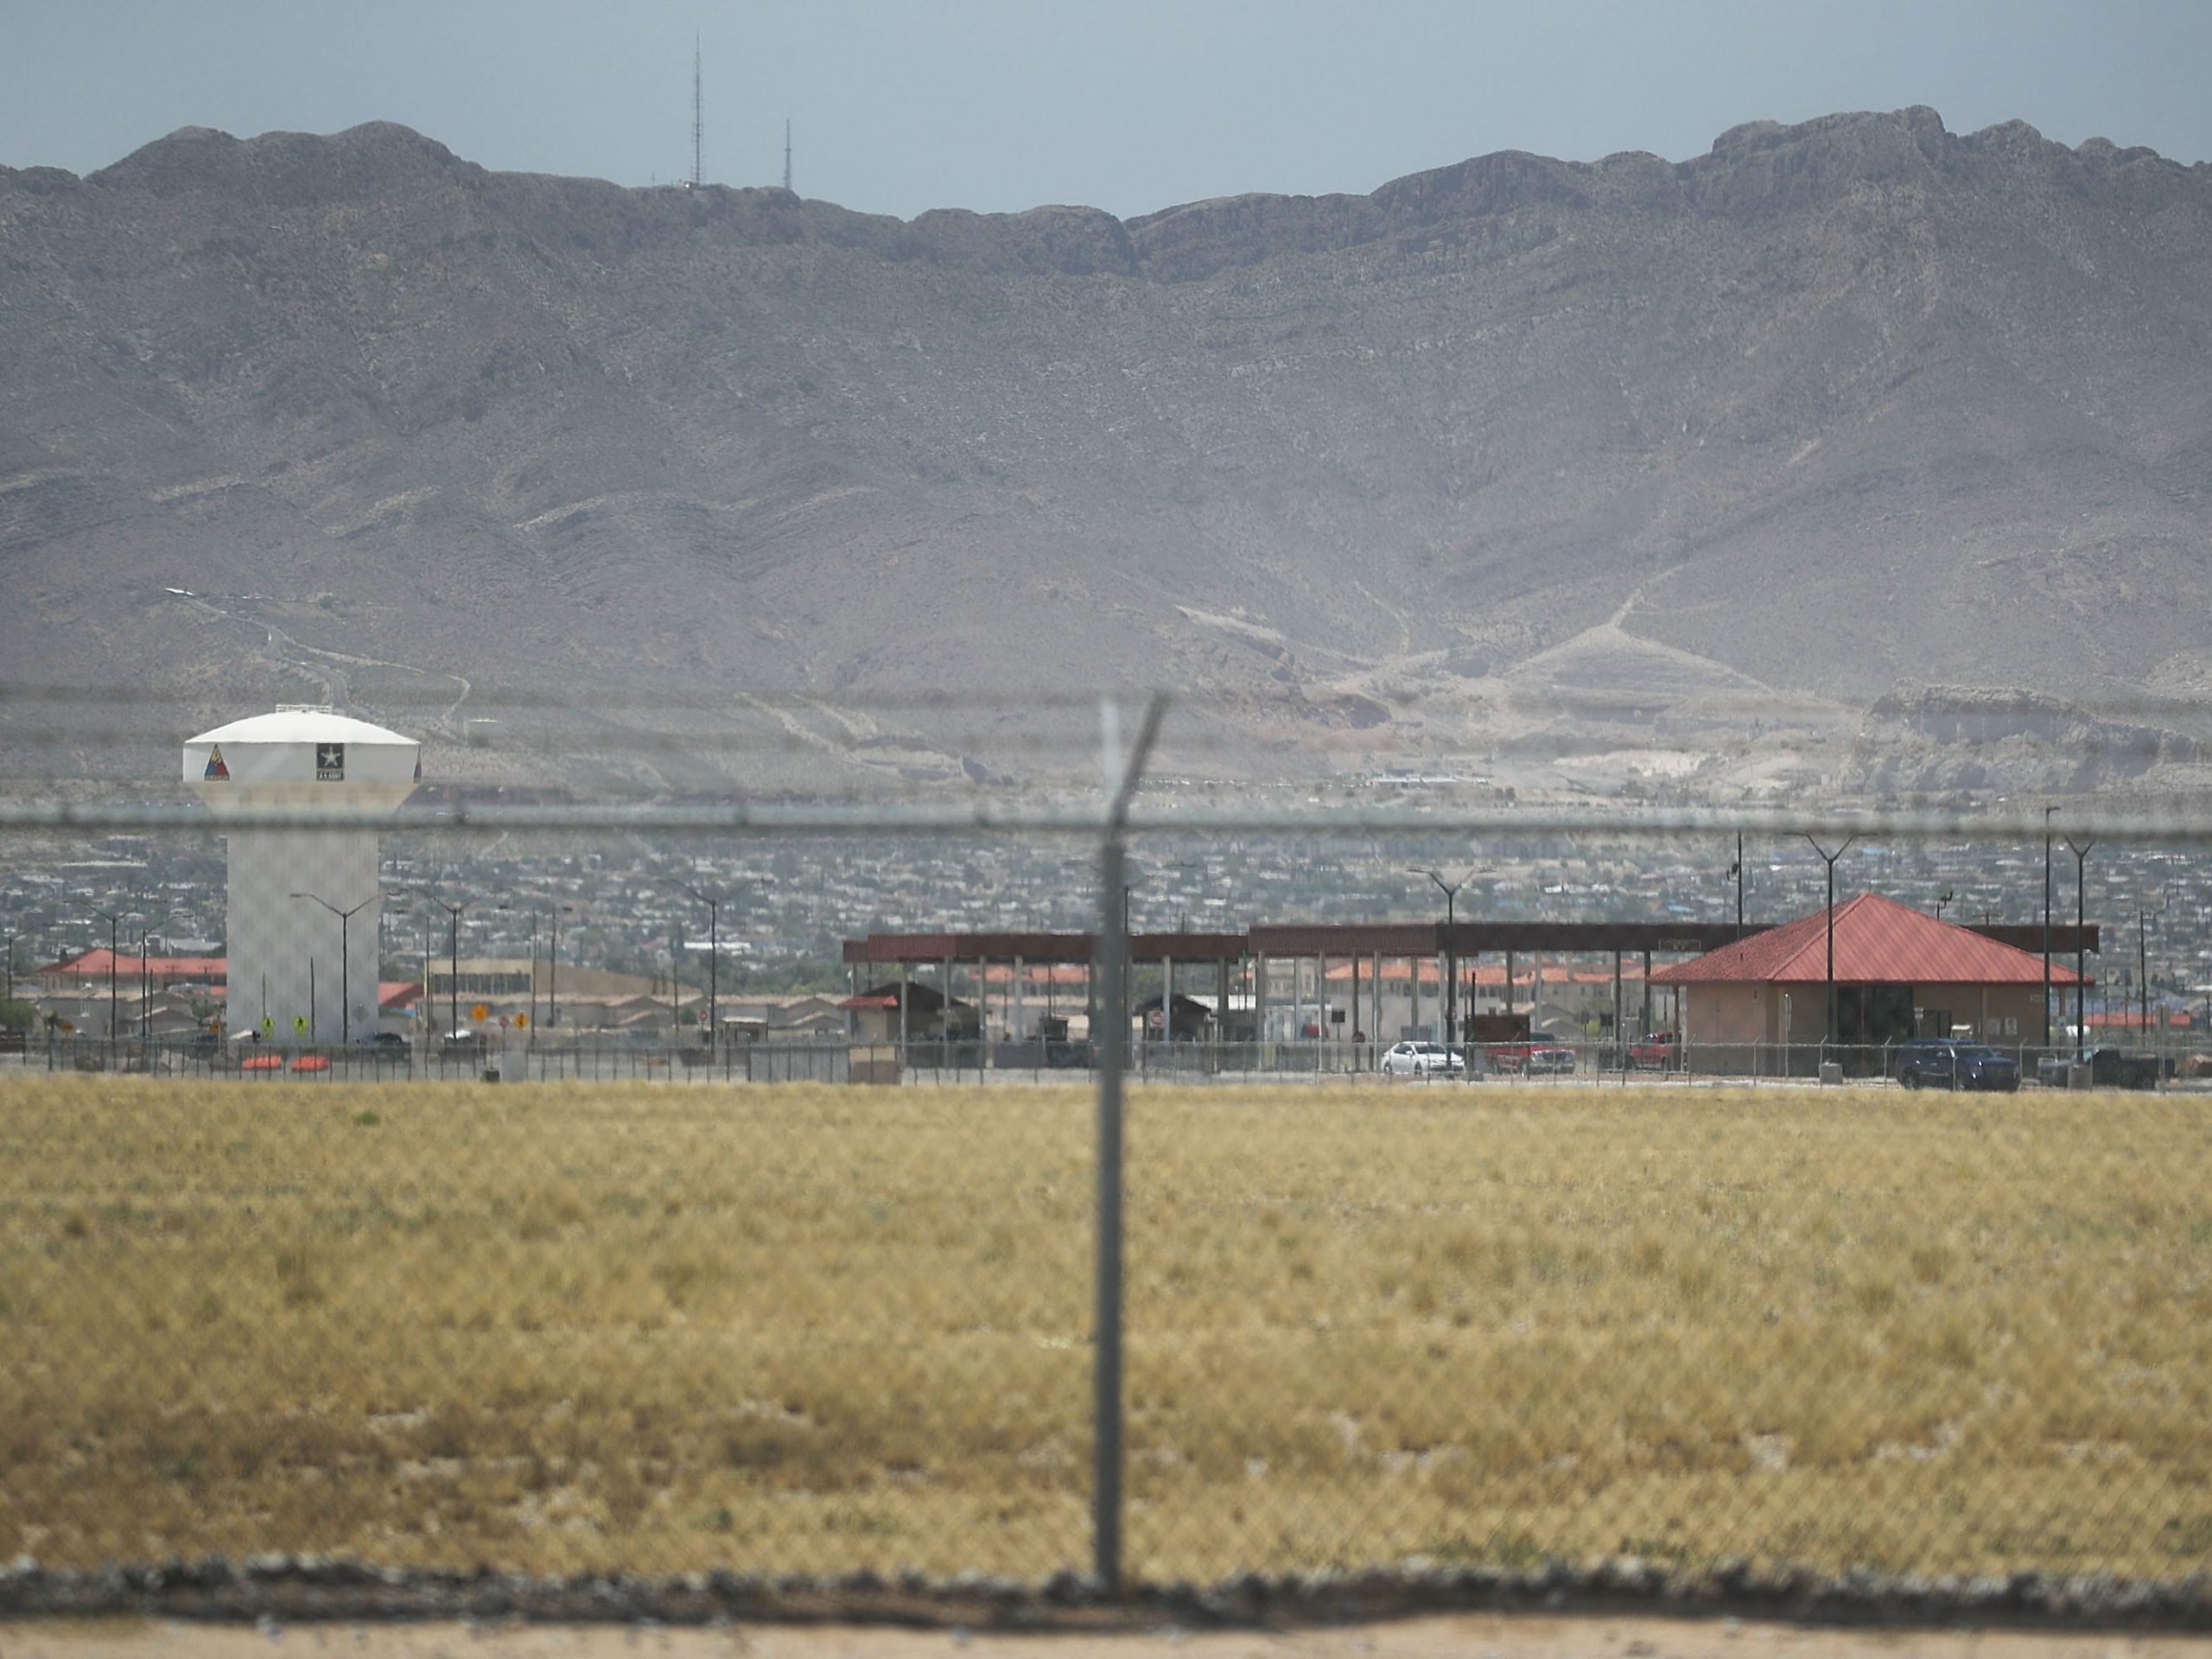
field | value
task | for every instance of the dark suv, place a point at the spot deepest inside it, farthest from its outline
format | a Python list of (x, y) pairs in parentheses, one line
[(1945, 1063)]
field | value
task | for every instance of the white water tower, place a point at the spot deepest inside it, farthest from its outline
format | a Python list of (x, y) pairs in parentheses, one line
[(300, 971)]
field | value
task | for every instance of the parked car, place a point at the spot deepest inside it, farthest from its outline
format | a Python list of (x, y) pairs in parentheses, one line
[(1414, 1059), (385, 1044), (1538, 1055), (2109, 1068), (1659, 1052), (1947, 1062)]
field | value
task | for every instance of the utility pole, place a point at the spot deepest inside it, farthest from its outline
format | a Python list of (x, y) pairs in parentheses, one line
[(787, 155)]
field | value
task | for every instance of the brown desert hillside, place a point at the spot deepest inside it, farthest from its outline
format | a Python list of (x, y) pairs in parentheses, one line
[(1518, 458)]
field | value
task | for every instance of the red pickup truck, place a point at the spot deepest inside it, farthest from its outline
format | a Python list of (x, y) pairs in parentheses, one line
[(1659, 1052), (1536, 1055)]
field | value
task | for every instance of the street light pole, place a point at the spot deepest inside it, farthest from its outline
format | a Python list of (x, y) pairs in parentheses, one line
[(1831, 857), (114, 920), (345, 963), (532, 910), (553, 965), (715, 953), (2047, 811), (2081, 919), (453, 971), (145, 984), (1451, 891), (1736, 871), (2143, 968)]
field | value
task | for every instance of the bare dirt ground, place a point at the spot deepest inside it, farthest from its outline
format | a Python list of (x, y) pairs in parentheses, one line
[(1481, 1636)]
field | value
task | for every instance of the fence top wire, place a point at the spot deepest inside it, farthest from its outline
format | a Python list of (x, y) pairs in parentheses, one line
[(2169, 824)]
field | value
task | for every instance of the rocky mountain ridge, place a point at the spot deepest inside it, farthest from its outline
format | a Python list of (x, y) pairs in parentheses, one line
[(1553, 465)]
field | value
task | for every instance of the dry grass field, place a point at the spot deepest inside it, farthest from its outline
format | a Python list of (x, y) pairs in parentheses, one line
[(556, 1327)]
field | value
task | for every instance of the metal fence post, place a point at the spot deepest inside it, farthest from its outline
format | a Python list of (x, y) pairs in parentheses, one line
[(1106, 1360), (1112, 936)]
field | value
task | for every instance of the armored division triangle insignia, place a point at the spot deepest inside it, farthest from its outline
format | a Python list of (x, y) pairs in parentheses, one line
[(215, 767)]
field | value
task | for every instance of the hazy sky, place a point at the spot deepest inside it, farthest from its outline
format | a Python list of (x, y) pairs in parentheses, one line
[(1126, 105)]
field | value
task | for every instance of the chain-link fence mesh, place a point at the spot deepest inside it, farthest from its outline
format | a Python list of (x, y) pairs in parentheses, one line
[(550, 1328), (375, 1228), (1953, 1334)]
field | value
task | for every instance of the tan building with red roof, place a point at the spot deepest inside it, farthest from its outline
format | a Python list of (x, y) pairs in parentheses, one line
[(94, 966), (1898, 974)]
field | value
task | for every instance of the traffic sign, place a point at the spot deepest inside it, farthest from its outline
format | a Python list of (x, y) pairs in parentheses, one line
[(480, 1014)]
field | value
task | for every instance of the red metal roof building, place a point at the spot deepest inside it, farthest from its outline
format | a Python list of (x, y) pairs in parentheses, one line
[(93, 965), (1898, 974)]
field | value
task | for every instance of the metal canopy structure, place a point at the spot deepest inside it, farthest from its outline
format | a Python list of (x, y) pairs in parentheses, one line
[(1370, 938), (1039, 948)]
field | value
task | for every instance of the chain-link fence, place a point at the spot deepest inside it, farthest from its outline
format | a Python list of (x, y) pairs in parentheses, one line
[(286, 1281), (1846, 1329), (799, 1328)]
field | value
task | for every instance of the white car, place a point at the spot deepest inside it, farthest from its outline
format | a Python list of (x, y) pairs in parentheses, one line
[(1411, 1059)]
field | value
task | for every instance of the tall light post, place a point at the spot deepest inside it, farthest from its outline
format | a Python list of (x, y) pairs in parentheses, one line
[(715, 954), (2080, 926), (453, 972), (114, 920), (1736, 873), (2047, 811), (344, 959), (2143, 968), (531, 910), (553, 964), (1830, 858), (145, 980), (8, 992), (1451, 891)]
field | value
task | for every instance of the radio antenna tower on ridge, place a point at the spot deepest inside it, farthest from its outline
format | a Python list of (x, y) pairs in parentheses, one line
[(787, 154), (698, 120)]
